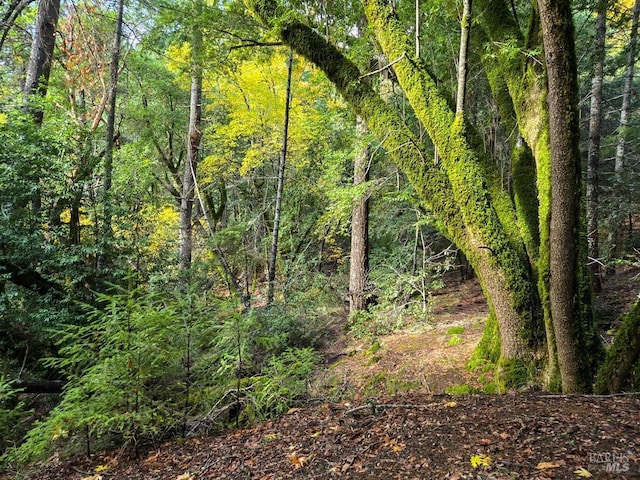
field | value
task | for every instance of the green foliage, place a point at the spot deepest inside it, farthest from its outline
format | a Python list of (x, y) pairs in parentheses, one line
[(283, 380), (12, 415), (462, 389), (148, 364), (456, 330)]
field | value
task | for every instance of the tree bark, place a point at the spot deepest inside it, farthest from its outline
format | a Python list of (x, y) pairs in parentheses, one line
[(595, 132), (40, 59), (107, 233), (564, 127), (616, 232), (462, 60), (506, 240), (194, 136), (281, 170), (627, 92), (359, 257)]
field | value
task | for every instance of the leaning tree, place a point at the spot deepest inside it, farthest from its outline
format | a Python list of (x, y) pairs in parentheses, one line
[(527, 245)]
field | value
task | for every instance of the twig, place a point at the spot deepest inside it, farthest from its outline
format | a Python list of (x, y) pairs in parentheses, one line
[(375, 406), (404, 54)]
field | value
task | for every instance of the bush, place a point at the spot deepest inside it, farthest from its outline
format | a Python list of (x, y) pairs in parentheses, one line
[(149, 365), (12, 415)]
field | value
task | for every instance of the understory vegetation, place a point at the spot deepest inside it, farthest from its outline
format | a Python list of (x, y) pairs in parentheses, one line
[(178, 197)]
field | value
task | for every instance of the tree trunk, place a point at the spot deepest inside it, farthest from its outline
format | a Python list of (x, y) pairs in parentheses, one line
[(565, 261), (506, 240), (462, 60), (281, 170), (107, 232), (359, 257), (595, 131), (194, 136), (41, 56), (627, 92), (625, 110), (621, 369)]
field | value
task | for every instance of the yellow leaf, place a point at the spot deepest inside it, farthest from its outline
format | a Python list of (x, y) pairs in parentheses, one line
[(450, 404), (297, 461), (270, 437), (101, 468), (398, 448), (185, 476), (583, 472), (547, 465), (480, 460), (3, 118), (92, 477), (316, 434)]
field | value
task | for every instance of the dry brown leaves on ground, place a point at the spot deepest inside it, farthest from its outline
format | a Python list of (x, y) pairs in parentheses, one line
[(408, 437)]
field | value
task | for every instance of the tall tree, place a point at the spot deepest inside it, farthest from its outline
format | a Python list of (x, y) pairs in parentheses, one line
[(627, 91), (595, 133), (506, 239), (280, 184), (566, 262), (194, 137), (616, 234), (111, 135), (462, 57), (359, 256), (41, 57)]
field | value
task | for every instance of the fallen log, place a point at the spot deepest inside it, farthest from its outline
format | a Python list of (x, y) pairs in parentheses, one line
[(39, 386)]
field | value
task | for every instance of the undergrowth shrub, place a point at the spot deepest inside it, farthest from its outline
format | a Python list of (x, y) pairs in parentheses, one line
[(12, 414), (149, 365)]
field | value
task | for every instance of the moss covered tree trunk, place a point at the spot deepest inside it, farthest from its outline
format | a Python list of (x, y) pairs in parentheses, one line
[(566, 264), (621, 369), (506, 237)]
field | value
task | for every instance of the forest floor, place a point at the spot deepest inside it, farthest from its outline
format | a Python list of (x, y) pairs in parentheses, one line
[(380, 411)]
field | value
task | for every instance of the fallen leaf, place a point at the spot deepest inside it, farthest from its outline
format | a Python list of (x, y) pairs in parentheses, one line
[(546, 465), (185, 476), (152, 458), (297, 461), (450, 404), (583, 472), (101, 468), (293, 410)]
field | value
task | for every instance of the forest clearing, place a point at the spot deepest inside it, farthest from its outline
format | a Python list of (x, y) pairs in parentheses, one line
[(312, 239)]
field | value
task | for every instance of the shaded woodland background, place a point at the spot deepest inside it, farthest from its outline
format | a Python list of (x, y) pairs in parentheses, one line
[(177, 196)]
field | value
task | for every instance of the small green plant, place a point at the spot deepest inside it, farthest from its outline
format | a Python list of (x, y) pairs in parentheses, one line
[(462, 389), (12, 414), (455, 335), (456, 330)]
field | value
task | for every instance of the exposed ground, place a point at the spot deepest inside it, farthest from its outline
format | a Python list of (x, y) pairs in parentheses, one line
[(380, 412)]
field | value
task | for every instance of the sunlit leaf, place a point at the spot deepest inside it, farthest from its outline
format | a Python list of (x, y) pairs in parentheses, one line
[(296, 461), (547, 465), (583, 472)]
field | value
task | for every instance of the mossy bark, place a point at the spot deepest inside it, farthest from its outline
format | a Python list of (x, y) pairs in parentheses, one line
[(506, 239), (620, 370)]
